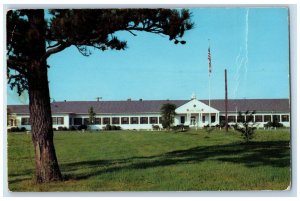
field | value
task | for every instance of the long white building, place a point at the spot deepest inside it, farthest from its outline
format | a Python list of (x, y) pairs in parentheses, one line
[(142, 114)]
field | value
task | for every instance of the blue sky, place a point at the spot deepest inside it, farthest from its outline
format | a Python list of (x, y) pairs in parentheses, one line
[(251, 43)]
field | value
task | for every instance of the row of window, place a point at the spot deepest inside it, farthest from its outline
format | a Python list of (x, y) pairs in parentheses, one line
[(55, 121), (116, 120), (259, 118), (154, 120), (193, 119)]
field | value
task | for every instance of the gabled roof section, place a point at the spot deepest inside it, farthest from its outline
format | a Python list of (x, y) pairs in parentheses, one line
[(195, 106), (153, 106)]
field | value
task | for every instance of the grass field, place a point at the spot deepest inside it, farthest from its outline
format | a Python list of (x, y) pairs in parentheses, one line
[(157, 161)]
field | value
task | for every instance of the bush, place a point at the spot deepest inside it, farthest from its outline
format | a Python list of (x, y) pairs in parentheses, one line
[(72, 128), (273, 124), (82, 127), (61, 128), (109, 127), (222, 124), (155, 127), (113, 127), (180, 128), (23, 129), (54, 129), (14, 129)]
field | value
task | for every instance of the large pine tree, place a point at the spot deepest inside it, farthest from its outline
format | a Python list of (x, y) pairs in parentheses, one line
[(32, 38)]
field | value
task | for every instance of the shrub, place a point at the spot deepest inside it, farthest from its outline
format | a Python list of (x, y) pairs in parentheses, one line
[(23, 129), (54, 129), (109, 127), (273, 124), (72, 128), (222, 124), (82, 127), (62, 128), (14, 129), (181, 128), (155, 127), (246, 126)]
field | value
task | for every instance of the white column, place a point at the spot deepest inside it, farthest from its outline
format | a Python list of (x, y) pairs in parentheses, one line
[(201, 117)]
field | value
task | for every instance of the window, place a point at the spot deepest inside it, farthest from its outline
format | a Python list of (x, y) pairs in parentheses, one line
[(86, 121), (160, 120), (203, 119), (240, 118), (134, 120), (70, 121), (276, 118), (124, 120), (153, 120), (60, 120), (258, 118), (54, 120), (25, 121), (97, 120), (144, 120), (249, 118), (182, 119), (213, 119), (231, 118), (285, 118), (106, 120), (267, 118), (77, 121), (116, 120), (222, 118)]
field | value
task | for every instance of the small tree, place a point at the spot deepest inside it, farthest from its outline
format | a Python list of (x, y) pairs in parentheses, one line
[(91, 115), (168, 114), (246, 125)]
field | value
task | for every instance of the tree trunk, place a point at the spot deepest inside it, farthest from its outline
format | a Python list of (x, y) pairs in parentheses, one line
[(46, 165)]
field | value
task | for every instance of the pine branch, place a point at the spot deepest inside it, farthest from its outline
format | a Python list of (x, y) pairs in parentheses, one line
[(17, 65), (54, 50)]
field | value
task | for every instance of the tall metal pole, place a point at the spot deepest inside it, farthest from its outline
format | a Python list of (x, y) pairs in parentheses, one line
[(226, 102), (209, 71)]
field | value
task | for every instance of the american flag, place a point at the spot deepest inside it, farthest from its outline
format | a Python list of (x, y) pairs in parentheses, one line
[(209, 61)]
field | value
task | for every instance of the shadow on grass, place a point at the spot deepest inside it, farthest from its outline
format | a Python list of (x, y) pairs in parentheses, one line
[(253, 154)]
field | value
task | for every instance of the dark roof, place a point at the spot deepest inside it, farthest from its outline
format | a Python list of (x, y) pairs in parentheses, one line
[(262, 105), (153, 106)]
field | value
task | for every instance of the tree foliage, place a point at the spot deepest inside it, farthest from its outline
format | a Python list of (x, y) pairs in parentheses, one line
[(86, 29), (168, 114), (91, 115), (246, 125)]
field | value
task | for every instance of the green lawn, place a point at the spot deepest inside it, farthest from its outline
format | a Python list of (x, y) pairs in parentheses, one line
[(157, 161)]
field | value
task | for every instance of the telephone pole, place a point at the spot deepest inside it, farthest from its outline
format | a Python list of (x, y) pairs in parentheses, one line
[(226, 102)]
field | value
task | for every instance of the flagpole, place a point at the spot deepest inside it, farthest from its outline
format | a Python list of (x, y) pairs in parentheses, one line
[(209, 71)]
